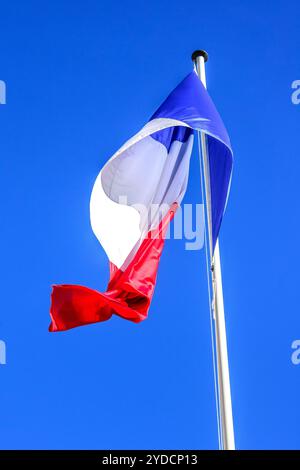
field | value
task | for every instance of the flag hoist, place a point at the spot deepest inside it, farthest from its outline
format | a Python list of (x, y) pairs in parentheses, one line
[(200, 57)]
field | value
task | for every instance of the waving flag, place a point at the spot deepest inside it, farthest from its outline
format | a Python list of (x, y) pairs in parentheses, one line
[(135, 196)]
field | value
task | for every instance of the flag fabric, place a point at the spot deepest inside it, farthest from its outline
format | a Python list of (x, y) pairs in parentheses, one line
[(133, 200)]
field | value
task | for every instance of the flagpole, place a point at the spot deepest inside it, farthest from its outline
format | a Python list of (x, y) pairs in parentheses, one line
[(224, 392)]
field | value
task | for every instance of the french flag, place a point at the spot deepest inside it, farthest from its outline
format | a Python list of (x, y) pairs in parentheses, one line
[(133, 200)]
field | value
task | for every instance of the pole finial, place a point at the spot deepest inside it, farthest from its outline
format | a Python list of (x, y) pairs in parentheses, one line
[(200, 53)]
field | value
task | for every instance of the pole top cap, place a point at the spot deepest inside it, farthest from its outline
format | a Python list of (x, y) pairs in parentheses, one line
[(200, 53)]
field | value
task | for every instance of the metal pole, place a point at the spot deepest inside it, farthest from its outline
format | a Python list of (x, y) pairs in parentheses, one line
[(199, 58)]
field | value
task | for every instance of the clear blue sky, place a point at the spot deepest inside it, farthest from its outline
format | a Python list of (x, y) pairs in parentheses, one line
[(82, 77)]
